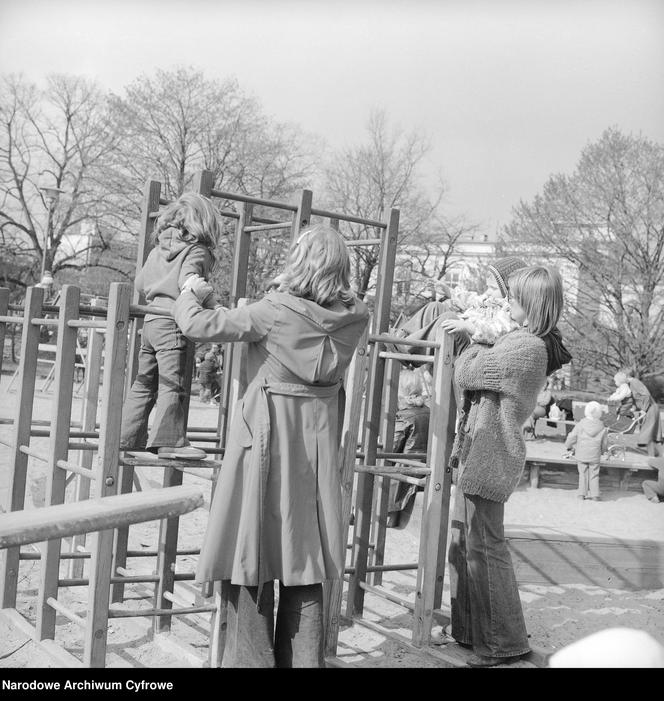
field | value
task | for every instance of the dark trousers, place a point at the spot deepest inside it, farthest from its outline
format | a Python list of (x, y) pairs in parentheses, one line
[(159, 385), (486, 608), (253, 640)]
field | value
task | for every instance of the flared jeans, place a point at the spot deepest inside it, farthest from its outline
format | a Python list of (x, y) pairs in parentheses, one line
[(159, 384), (253, 639), (486, 608)]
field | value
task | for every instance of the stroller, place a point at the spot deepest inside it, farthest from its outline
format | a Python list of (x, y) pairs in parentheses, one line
[(621, 425)]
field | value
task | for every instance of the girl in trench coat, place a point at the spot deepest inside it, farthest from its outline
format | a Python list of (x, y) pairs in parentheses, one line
[(276, 510)]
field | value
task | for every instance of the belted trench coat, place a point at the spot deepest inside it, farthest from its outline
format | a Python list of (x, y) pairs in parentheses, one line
[(276, 510)]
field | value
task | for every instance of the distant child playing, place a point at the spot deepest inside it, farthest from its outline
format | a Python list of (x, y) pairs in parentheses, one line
[(588, 440), (186, 235)]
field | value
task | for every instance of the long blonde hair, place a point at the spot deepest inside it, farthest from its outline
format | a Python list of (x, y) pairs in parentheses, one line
[(318, 268), (196, 218), (539, 292)]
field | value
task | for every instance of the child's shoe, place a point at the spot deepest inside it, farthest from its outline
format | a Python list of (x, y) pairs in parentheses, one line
[(594, 499), (185, 452), (580, 496)]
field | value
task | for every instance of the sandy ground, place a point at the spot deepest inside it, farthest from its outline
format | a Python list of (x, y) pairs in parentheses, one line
[(556, 614)]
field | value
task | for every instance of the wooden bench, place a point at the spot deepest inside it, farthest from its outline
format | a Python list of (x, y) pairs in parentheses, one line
[(535, 464)]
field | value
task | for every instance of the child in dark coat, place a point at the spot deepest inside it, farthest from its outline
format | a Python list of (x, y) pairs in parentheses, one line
[(589, 439)]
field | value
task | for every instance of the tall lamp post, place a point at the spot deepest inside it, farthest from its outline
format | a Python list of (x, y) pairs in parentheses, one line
[(51, 194)]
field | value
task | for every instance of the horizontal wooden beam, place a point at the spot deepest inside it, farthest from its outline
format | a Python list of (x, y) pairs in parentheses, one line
[(63, 520)]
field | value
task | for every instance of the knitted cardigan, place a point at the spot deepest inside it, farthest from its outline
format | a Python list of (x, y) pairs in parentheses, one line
[(503, 381)]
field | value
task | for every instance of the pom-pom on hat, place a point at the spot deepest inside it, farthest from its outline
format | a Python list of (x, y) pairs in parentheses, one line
[(503, 268)]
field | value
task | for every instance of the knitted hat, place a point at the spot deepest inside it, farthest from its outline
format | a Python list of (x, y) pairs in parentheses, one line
[(503, 268)]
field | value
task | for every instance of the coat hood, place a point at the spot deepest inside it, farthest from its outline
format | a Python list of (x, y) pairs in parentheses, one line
[(592, 426), (326, 319), (171, 243)]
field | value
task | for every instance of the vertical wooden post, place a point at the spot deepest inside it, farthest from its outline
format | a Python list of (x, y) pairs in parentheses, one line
[(88, 423), (168, 528), (27, 373), (302, 217), (149, 208), (107, 472), (435, 512), (4, 308), (386, 485), (355, 383), (65, 359), (238, 290), (203, 183), (218, 626), (365, 481)]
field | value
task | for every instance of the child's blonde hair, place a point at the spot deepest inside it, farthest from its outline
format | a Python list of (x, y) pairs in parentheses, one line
[(411, 388), (318, 267), (539, 292), (195, 217), (593, 410)]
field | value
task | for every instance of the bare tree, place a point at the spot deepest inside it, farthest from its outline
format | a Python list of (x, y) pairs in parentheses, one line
[(176, 123), (604, 224), (384, 173), (59, 136)]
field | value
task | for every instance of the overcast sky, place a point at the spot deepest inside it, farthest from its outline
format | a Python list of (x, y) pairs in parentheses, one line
[(509, 91)]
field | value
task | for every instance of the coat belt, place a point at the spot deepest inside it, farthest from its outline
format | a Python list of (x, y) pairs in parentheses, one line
[(260, 446)]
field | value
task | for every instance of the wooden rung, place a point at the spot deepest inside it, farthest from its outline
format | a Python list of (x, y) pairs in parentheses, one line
[(119, 613), (386, 568), (63, 520), (348, 218), (252, 200), (11, 319), (363, 242), (383, 593), (394, 456), (164, 462), (84, 446), (41, 321), (71, 467), (87, 324), (169, 596), (412, 463), (268, 227), (136, 579), (395, 469), (397, 476), (67, 613), (386, 338), (413, 358), (27, 450)]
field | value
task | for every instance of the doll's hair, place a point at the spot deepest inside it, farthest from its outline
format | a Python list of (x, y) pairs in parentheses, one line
[(539, 292), (318, 268), (411, 388), (196, 218)]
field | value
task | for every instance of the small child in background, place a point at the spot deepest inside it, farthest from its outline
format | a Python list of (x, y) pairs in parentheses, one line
[(411, 435), (588, 440), (207, 378), (185, 237)]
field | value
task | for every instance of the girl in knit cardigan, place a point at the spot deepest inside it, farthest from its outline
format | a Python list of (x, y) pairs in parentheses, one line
[(489, 457)]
